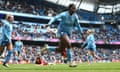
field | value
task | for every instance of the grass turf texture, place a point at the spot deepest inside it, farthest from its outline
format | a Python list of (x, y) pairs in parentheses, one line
[(98, 67)]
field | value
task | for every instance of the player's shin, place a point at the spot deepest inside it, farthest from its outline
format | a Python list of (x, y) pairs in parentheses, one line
[(90, 59), (8, 57), (69, 56)]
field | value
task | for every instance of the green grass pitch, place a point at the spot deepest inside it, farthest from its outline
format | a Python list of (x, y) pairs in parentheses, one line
[(98, 67)]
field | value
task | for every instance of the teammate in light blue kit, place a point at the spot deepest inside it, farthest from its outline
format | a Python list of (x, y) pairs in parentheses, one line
[(90, 45), (6, 38), (68, 20), (18, 46), (17, 50)]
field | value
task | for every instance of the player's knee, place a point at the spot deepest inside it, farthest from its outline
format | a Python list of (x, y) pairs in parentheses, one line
[(68, 45), (9, 46)]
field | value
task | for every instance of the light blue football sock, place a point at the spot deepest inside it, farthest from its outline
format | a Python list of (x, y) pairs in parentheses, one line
[(69, 55), (8, 57)]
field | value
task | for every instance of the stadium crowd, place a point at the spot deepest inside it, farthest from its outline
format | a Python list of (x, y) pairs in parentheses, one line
[(108, 35), (33, 31), (26, 7), (38, 8), (29, 54)]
